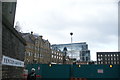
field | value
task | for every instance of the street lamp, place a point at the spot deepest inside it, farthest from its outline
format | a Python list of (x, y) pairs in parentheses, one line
[(71, 53), (71, 36), (71, 44)]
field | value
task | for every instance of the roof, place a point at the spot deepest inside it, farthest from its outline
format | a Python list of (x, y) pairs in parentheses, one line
[(69, 43), (31, 37), (108, 52), (28, 37)]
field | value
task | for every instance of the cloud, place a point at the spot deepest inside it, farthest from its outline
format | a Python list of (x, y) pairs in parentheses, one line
[(93, 21)]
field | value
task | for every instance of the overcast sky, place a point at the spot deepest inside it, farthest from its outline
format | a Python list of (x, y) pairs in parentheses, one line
[(91, 21)]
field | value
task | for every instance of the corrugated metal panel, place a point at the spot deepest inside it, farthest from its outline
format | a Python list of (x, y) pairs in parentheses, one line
[(96, 71), (55, 71), (77, 71)]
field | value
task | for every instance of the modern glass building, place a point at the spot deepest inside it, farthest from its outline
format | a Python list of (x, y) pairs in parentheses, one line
[(79, 51)]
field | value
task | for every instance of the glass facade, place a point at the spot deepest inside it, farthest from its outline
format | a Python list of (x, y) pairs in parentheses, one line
[(75, 50)]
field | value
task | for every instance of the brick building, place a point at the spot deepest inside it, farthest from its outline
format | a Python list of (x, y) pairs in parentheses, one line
[(29, 48), (37, 49), (42, 51), (57, 57), (13, 45)]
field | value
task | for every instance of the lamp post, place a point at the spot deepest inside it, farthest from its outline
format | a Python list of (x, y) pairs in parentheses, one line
[(71, 44), (71, 36), (71, 56)]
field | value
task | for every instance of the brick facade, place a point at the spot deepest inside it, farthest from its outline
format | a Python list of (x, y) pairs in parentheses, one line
[(57, 57), (37, 49), (13, 45)]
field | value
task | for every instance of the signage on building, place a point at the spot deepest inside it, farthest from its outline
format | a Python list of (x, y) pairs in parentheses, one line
[(100, 70), (12, 62)]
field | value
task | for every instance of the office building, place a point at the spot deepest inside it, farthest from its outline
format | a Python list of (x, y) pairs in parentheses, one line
[(78, 51), (108, 57)]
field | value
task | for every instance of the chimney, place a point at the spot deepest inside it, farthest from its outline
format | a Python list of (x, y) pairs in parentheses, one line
[(41, 36)]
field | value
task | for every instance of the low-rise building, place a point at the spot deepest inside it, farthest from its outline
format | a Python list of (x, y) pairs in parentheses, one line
[(108, 57), (42, 51), (37, 49), (57, 57), (29, 48)]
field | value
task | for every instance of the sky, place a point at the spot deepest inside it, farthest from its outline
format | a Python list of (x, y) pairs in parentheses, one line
[(92, 21)]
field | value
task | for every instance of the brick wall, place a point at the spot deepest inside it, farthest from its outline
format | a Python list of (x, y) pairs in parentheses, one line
[(14, 48), (0, 40)]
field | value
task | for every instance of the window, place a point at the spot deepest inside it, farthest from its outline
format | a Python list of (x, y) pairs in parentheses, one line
[(52, 56), (117, 54), (114, 62), (101, 62), (111, 58), (114, 58), (111, 62), (105, 58), (29, 54), (114, 54), (35, 55), (52, 52), (111, 55), (118, 62), (38, 55), (99, 59), (117, 58), (105, 62)]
